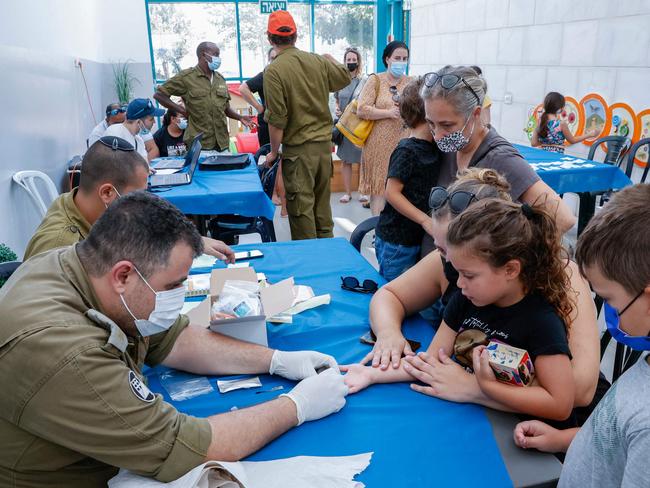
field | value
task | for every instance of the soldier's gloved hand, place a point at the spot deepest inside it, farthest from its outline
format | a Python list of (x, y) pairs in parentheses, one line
[(319, 396), (300, 364)]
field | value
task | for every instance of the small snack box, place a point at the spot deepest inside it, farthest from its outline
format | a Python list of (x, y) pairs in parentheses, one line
[(510, 364), (274, 298)]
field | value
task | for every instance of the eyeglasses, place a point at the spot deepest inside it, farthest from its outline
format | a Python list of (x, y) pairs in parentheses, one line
[(116, 143), (395, 93), (629, 304), (458, 200), (448, 81), (350, 283)]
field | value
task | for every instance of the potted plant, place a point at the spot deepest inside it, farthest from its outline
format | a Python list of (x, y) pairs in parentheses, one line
[(124, 81), (6, 254)]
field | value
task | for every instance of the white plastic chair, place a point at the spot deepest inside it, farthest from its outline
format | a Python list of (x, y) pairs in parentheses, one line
[(29, 181)]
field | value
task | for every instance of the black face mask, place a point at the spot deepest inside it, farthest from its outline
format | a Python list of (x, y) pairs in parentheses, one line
[(352, 67)]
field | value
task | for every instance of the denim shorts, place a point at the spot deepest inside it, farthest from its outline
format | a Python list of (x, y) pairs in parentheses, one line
[(394, 259)]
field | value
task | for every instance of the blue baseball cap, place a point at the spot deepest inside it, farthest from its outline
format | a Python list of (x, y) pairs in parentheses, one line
[(141, 107)]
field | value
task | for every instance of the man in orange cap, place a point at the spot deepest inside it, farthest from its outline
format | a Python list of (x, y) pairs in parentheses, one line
[(297, 87)]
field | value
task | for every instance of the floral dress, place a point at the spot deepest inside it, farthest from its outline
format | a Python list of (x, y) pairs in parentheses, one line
[(554, 140), (385, 135)]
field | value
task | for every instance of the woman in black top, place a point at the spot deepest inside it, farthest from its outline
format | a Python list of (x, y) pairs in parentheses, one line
[(169, 138), (256, 85)]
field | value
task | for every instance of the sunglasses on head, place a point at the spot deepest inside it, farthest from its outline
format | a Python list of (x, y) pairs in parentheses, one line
[(395, 93), (350, 283), (116, 111), (448, 82), (458, 200), (116, 143)]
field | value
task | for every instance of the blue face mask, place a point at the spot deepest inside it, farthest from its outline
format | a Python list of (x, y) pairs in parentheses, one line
[(143, 129), (214, 63), (182, 124), (398, 68), (612, 319)]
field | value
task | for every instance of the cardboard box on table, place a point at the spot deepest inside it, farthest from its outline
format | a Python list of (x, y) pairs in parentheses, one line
[(275, 299)]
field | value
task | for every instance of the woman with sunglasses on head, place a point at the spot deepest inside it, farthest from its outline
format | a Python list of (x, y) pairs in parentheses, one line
[(515, 293), (379, 101), (434, 277), (453, 99)]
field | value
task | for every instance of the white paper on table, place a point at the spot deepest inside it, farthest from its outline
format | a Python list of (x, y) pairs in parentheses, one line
[(204, 261), (167, 171), (244, 264), (295, 472)]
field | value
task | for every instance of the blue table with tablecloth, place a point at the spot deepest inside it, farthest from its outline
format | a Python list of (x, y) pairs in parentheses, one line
[(417, 440), (570, 174), (237, 191)]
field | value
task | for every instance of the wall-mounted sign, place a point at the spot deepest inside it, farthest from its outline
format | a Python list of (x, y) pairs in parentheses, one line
[(595, 110), (268, 6)]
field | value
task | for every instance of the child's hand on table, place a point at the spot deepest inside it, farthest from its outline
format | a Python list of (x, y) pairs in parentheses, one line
[(357, 376), (534, 434)]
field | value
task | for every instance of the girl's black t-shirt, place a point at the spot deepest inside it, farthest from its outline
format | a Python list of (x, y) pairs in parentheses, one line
[(531, 324)]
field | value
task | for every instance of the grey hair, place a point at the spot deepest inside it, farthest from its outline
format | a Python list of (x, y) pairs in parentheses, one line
[(460, 97)]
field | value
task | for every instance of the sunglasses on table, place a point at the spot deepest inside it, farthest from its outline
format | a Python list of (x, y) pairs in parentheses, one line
[(458, 200), (395, 93), (350, 283), (448, 82)]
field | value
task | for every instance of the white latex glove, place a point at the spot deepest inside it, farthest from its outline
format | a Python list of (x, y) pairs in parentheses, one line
[(319, 396), (297, 365)]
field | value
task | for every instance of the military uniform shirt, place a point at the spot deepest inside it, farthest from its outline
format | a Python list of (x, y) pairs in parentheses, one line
[(63, 225), (297, 85), (74, 406), (206, 104)]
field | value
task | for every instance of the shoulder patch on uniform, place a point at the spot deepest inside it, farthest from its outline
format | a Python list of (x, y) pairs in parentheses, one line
[(139, 389)]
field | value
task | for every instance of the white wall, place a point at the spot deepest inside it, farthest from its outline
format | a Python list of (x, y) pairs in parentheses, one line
[(48, 116), (530, 47)]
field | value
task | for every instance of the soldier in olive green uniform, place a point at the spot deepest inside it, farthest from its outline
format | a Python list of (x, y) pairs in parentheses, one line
[(297, 86), (205, 94), (106, 173), (76, 326), (111, 168)]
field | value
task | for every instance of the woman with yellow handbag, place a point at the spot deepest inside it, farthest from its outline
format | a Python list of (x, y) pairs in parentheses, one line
[(379, 102)]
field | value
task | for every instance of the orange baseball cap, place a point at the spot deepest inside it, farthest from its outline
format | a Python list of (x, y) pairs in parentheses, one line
[(281, 19)]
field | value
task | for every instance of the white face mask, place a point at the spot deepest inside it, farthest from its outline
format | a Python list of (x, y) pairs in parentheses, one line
[(168, 307)]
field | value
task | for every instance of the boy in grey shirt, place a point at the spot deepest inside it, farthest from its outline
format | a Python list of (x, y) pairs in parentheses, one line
[(613, 446)]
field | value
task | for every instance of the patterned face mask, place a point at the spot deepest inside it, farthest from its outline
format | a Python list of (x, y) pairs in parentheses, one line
[(456, 140)]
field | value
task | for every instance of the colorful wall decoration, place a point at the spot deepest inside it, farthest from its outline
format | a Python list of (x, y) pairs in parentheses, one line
[(643, 124), (593, 114), (595, 110), (574, 115)]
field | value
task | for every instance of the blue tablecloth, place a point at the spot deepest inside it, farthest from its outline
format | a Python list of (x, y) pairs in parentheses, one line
[(236, 191), (566, 173), (417, 440)]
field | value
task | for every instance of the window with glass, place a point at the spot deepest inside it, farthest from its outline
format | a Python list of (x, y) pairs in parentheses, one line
[(239, 29)]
